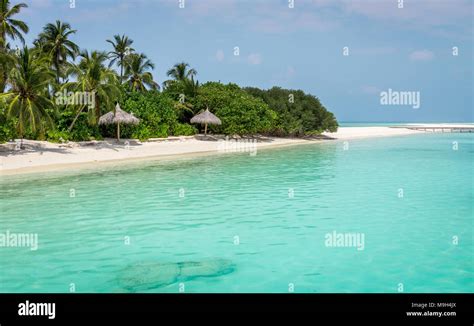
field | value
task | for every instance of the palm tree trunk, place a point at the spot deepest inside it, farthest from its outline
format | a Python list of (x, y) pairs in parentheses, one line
[(56, 65), (97, 109), (20, 130), (75, 118), (121, 71), (3, 79), (118, 131), (3, 47)]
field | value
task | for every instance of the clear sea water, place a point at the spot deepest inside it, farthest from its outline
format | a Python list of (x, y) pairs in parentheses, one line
[(267, 214)]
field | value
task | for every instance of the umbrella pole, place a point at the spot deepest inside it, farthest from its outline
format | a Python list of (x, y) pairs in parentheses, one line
[(205, 129), (118, 131)]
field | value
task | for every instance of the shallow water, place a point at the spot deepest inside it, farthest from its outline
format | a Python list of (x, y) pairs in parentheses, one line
[(268, 215)]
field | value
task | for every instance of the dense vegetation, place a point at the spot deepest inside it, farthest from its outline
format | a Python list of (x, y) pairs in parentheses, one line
[(239, 112), (297, 113), (56, 91)]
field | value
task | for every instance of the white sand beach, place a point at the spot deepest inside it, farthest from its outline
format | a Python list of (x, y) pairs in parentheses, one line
[(44, 156)]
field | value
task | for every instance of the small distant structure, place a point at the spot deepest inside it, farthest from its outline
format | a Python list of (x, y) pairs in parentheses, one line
[(118, 116), (205, 118)]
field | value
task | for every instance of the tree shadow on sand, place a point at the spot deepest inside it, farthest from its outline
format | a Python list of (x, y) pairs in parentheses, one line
[(15, 149)]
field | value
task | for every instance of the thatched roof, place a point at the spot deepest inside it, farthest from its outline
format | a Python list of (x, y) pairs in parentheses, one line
[(118, 116), (206, 117)]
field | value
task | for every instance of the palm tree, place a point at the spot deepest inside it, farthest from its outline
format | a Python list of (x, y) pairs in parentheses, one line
[(93, 76), (12, 28), (138, 77), (28, 98), (181, 72), (7, 60), (54, 40), (122, 48), (191, 87)]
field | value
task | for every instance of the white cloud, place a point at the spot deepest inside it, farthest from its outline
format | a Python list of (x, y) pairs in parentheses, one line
[(220, 55), (437, 17), (421, 55), (254, 58), (423, 12)]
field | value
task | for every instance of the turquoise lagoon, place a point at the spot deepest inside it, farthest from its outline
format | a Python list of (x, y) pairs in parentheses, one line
[(268, 215)]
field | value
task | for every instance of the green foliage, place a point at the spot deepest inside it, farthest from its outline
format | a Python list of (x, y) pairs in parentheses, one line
[(181, 71), (142, 133), (28, 100), (184, 129), (155, 111), (56, 136), (298, 113), (174, 88), (82, 131), (6, 133), (11, 27), (54, 40), (7, 126), (93, 76), (138, 78), (239, 112), (28, 108), (157, 114), (122, 46)]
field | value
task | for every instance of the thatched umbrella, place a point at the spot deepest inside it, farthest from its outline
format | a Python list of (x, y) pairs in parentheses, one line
[(118, 116), (206, 118)]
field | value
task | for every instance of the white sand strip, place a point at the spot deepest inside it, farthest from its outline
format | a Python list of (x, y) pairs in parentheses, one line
[(345, 133)]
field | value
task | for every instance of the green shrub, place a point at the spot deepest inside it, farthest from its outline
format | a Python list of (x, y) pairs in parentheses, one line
[(5, 133), (242, 111), (298, 113), (57, 136), (7, 130), (239, 112), (143, 133), (184, 129), (82, 129), (155, 111), (7, 126)]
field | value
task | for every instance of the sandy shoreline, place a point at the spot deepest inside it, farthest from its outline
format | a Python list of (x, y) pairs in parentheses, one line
[(44, 156)]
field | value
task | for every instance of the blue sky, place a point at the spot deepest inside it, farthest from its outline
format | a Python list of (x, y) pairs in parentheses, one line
[(405, 49)]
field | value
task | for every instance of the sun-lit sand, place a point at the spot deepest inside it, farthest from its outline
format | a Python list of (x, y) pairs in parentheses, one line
[(346, 133), (44, 156)]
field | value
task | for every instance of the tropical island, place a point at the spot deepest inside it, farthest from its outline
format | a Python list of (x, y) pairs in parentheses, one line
[(136, 158), (57, 90), (58, 98)]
